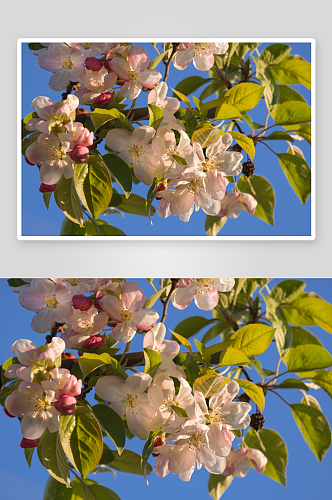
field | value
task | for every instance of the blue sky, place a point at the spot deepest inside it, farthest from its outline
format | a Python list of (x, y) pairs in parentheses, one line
[(306, 477), (291, 217)]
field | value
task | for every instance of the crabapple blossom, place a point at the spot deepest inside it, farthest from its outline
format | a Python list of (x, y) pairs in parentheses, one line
[(239, 462), (94, 342), (93, 64), (127, 397), (7, 413), (80, 135), (233, 204), (34, 404), (192, 446), (79, 285), (29, 443), (217, 159), (64, 383), (64, 61), (134, 148), (47, 111), (127, 311), (65, 404), (82, 325), (47, 188), (49, 300), (81, 302), (79, 154), (95, 83), (29, 355), (51, 153), (135, 72), (169, 105), (204, 291), (165, 145), (154, 339), (200, 53), (92, 49)]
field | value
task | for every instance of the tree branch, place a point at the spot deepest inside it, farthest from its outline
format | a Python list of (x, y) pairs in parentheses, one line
[(175, 48), (175, 282)]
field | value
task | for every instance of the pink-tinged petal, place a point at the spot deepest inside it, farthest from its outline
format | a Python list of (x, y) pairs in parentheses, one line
[(24, 350), (215, 184), (112, 306), (248, 202), (173, 104), (12, 369), (118, 139), (258, 459), (229, 201), (182, 201), (50, 172), (138, 58), (42, 322), (118, 407), (164, 208), (235, 211), (110, 388), (131, 89), (52, 419), (220, 48), (220, 440), (182, 297), (207, 301), (161, 467), (225, 285), (229, 163), (139, 425), (120, 67), (224, 395), (212, 462), (183, 58), (67, 167), (59, 80), (184, 282), (132, 296), (149, 78), (125, 331), (171, 349), (109, 81), (125, 156), (242, 469), (100, 322), (145, 318), (144, 171), (149, 340), (142, 135), (207, 204), (204, 63), (159, 331), (137, 383), (182, 459), (33, 425)]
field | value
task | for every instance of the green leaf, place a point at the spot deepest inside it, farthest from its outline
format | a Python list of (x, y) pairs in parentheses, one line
[(273, 448), (289, 94), (180, 160), (154, 63), (127, 462), (87, 490), (153, 299), (150, 197), (101, 116), (179, 411), (146, 452), (206, 136), (253, 340), (302, 336), (287, 291), (314, 428), (189, 365), (218, 484), (305, 132), (156, 115), (152, 361), (189, 85), (120, 172), (264, 195), (36, 46), (315, 309), (28, 452), (54, 458), (214, 224), (308, 357), (244, 96), (271, 92), (292, 112), (298, 174), (190, 326), (69, 228), (93, 185), (57, 491), (217, 329), (227, 112), (324, 380), (183, 341), (246, 143), (292, 71), (47, 198), (81, 439), (135, 204), (273, 54), (297, 317), (255, 392), (68, 201), (283, 333), (221, 346), (293, 383), (211, 89), (190, 122), (89, 362), (112, 424), (209, 384), (16, 282), (279, 135), (183, 98), (232, 356), (101, 228)]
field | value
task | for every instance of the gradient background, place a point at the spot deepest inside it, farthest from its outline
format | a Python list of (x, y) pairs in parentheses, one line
[(306, 477), (291, 217)]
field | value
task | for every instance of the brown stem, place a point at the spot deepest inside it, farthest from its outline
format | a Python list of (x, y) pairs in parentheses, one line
[(55, 330), (69, 89), (175, 282), (175, 48)]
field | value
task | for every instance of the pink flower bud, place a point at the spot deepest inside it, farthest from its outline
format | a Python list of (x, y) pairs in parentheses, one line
[(7, 413), (105, 98), (66, 404), (109, 58), (47, 188), (94, 342), (29, 443), (79, 154), (28, 162), (93, 64), (157, 442), (96, 303), (81, 302), (161, 187)]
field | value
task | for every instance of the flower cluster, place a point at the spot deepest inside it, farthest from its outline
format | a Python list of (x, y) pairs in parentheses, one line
[(106, 73)]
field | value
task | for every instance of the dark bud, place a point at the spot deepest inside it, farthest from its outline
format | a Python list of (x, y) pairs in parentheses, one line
[(237, 148), (244, 398), (161, 187), (47, 188), (248, 168), (257, 420), (29, 443)]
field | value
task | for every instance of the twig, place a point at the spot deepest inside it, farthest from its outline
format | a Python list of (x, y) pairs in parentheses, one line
[(175, 282), (175, 48), (55, 330)]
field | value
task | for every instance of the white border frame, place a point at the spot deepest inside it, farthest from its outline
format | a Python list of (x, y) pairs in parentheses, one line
[(312, 41)]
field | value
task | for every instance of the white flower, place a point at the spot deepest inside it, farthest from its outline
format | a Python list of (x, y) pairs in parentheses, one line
[(200, 53), (204, 291), (239, 462), (168, 349)]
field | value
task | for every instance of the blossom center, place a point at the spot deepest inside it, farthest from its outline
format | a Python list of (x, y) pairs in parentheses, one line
[(95, 84), (132, 74), (126, 314), (50, 302), (136, 151), (201, 49), (196, 441), (195, 186), (204, 285), (56, 153), (86, 46), (130, 401), (74, 281), (32, 360), (209, 165), (38, 404), (66, 63), (84, 326), (214, 417)]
